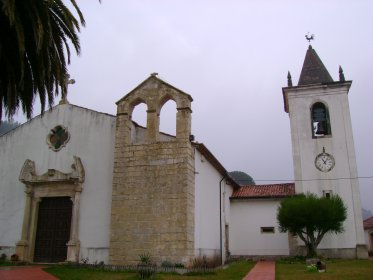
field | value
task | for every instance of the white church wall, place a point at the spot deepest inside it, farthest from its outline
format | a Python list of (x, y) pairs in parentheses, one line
[(207, 207), (228, 191), (340, 145), (91, 139), (366, 237), (368, 234), (246, 238)]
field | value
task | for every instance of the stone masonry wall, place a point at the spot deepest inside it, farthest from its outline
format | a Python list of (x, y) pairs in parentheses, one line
[(153, 203), (153, 182)]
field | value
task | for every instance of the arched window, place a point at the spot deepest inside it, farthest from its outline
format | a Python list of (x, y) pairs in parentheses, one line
[(139, 115), (320, 120), (168, 118), (139, 121)]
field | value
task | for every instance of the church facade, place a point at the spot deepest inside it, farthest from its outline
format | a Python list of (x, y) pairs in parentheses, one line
[(78, 184)]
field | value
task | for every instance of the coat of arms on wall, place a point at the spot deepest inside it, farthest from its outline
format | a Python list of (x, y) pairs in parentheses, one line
[(58, 138)]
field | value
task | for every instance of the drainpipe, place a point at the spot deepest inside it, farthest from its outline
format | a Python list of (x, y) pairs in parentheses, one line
[(221, 227)]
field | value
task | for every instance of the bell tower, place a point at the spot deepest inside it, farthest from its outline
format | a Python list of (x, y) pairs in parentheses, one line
[(323, 149), (152, 210)]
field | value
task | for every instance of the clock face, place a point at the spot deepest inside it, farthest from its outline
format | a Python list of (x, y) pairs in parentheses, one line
[(324, 162)]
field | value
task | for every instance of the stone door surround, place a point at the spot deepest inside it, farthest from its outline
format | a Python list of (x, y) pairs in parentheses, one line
[(53, 183)]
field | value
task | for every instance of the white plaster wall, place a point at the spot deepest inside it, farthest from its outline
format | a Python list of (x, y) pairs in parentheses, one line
[(367, 233), (228, 191), (207, 207), (92, 139), (245, 237), (340, 145)]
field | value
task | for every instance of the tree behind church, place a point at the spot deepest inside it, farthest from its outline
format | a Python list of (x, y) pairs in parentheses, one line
[(242, 178), (310, 217), (7, 126), (34, 50)]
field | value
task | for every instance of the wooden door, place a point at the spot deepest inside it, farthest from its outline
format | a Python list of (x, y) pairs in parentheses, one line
[(53, 229)]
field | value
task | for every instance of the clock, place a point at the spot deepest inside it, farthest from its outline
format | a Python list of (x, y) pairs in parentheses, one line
[(324, 161)]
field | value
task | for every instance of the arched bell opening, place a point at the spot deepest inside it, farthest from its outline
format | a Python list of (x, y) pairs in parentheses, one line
[(167, 118), (139, 114), (320, 122)]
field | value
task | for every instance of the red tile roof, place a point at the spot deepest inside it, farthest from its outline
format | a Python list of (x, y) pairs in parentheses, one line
[(368, 223), (264, 191)]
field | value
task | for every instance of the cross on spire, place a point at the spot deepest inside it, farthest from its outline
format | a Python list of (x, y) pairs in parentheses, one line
[(68, 82)]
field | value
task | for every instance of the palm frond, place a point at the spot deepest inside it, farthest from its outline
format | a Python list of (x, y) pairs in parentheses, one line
[(35, 38)]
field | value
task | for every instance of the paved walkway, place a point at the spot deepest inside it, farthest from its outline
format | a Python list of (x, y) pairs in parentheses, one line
[(24, 273), (263, 270)]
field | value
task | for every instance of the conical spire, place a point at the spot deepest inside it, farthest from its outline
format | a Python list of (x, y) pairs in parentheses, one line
[(313, 71)]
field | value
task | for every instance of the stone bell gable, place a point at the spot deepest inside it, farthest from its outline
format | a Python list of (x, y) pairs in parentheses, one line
[(153, 181), (154, 93)]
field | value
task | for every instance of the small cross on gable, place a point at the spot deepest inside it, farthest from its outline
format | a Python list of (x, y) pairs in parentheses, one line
[(68, 82)]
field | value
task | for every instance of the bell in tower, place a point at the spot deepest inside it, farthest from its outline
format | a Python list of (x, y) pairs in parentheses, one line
[(319, 115), (321, 128)]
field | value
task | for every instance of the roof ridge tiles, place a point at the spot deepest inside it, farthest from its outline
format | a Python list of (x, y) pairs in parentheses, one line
[(265, 191)]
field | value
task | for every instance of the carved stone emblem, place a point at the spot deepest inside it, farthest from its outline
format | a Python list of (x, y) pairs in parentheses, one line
[(58, 138), (29, 176)]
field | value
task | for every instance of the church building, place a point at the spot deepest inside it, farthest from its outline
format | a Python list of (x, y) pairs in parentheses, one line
[(79, 184)]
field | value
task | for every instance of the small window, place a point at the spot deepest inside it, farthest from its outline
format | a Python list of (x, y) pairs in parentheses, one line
[(320, 120), (327, 194), (58, 138), (267, 230)]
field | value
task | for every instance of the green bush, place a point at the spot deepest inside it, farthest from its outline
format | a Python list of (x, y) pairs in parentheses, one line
[(311, 268), (206, 262), (145, 269), (179, 265), (167, 264)]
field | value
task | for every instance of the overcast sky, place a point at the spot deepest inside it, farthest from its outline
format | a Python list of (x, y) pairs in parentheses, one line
[(232, 57)]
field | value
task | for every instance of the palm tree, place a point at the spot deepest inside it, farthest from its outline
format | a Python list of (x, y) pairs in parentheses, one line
[(34, 49)]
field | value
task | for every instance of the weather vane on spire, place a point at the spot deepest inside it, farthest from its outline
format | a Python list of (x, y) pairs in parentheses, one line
[(310, 37)]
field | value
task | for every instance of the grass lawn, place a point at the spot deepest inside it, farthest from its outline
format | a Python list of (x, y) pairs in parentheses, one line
[(335, 270), (235, 270), (7, 263)]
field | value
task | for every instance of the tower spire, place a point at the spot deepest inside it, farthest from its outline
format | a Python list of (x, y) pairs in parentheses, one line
[(313, 70)]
